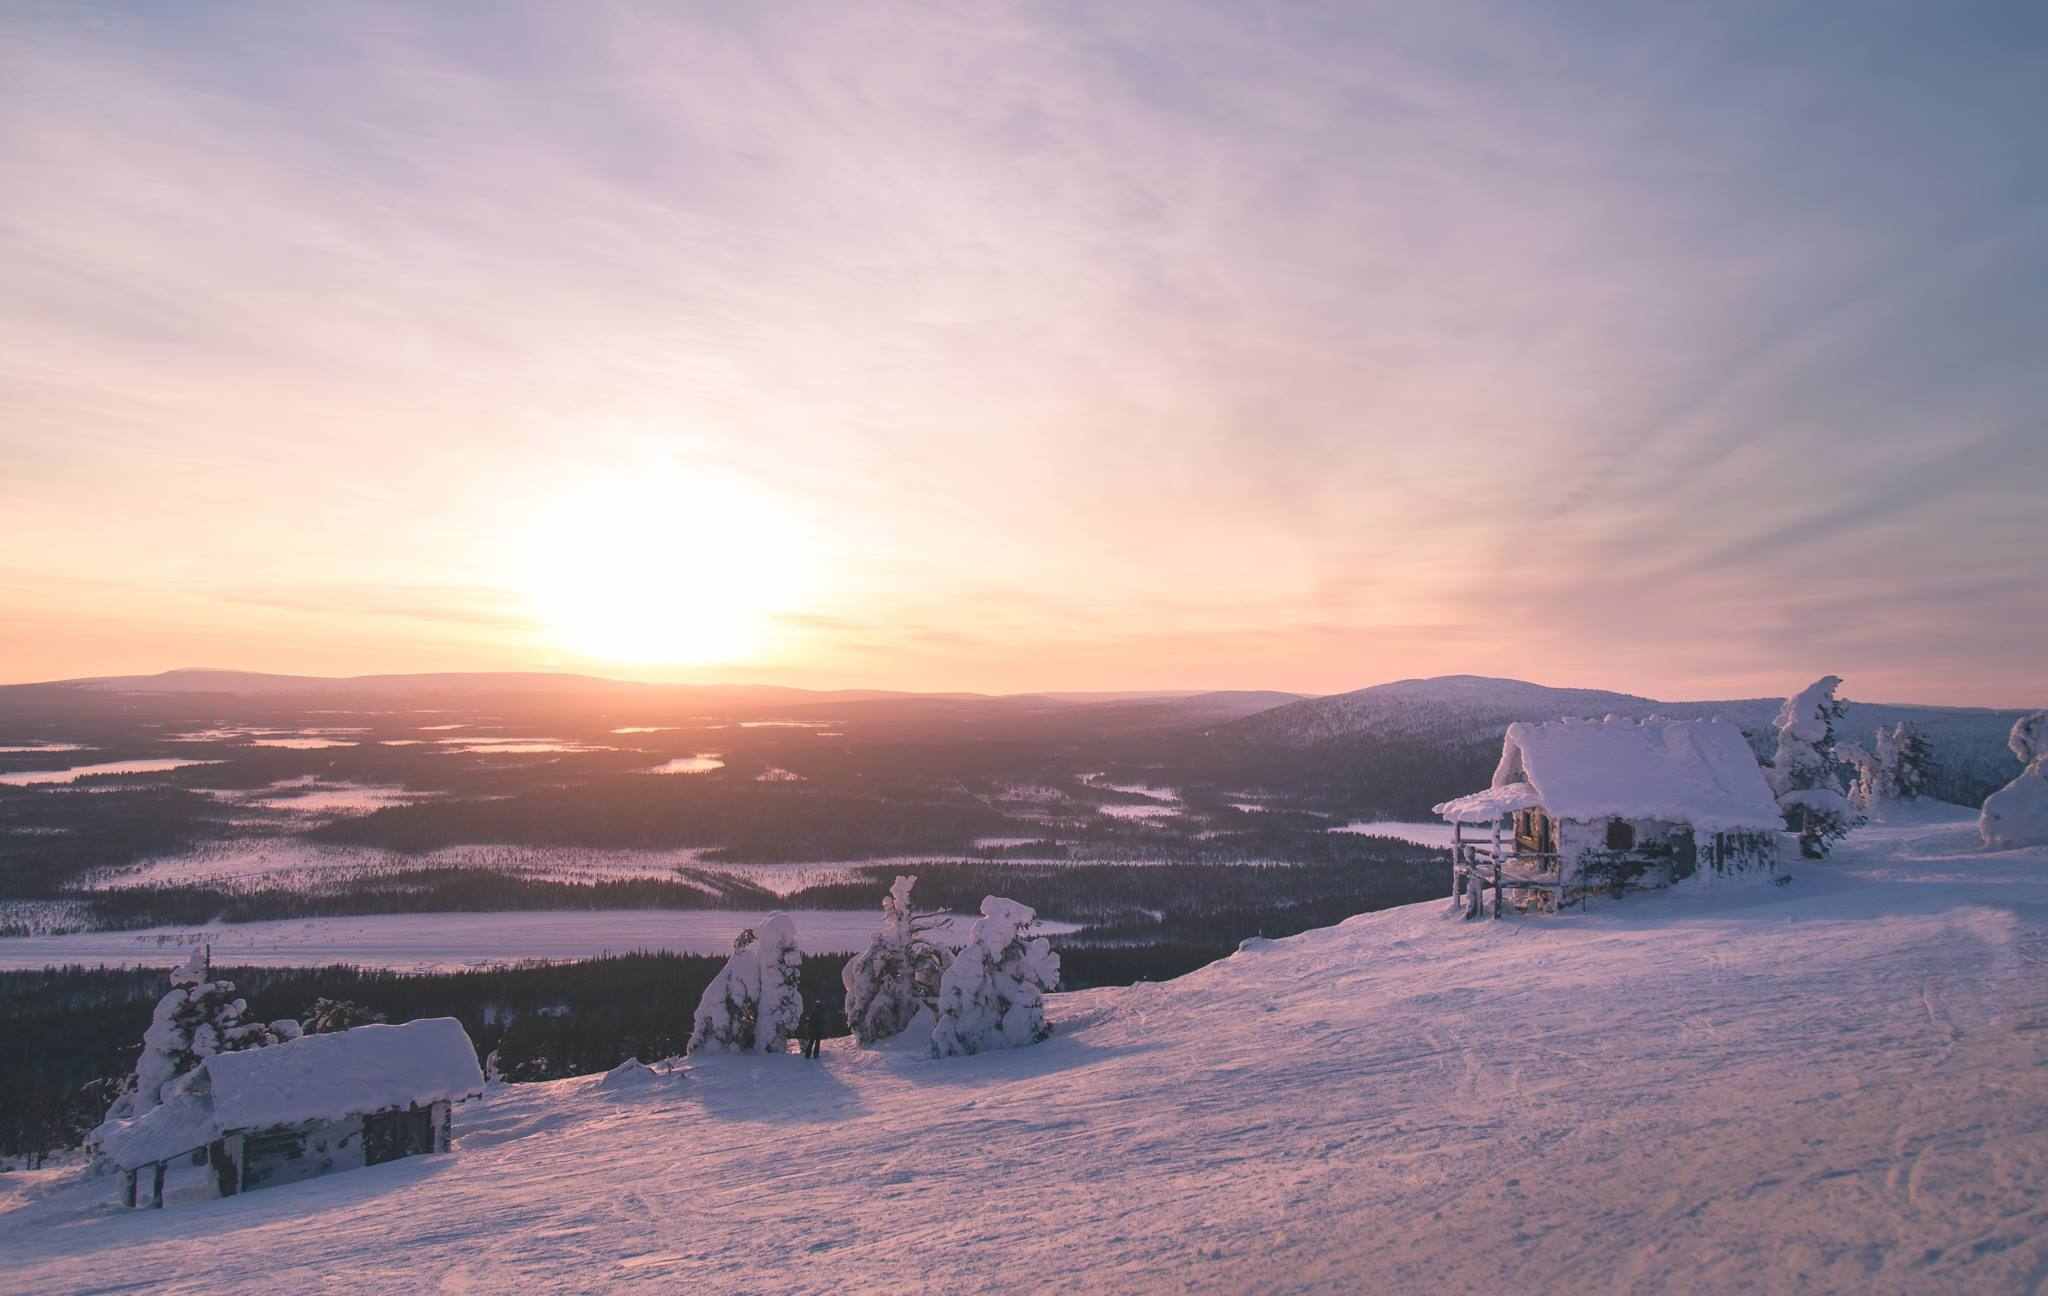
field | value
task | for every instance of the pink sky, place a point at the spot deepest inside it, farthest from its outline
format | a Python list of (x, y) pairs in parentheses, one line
[(1146, 346)]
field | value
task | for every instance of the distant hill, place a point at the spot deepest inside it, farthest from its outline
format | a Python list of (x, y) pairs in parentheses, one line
[(1448, 706), (534, 693), (1467, 713), (451, 684)]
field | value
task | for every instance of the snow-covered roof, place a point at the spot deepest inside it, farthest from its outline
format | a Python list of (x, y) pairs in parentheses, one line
[(316, 1077), (1697, 772), (1487, 806)]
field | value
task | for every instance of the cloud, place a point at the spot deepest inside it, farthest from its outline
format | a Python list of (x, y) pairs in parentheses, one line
[(1150, 333)]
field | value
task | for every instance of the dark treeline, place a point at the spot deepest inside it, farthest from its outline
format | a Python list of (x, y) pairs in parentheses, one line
[(49, 837)]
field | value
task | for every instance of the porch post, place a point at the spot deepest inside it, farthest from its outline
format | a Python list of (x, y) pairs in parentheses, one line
[(1457, 858)]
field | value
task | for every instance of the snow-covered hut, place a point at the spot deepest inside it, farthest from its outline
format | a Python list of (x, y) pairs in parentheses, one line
[(1583, 805), (275, 1115)]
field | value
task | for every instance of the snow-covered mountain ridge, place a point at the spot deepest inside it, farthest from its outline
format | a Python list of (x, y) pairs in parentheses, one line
[(1836, 1085), (1450, 710)]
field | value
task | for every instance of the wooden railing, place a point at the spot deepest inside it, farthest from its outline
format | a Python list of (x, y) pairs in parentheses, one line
[(1477, 866)]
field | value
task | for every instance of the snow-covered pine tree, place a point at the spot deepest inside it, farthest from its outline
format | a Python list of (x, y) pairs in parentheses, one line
[(329, 1015), (1802, 773), (1865, 782), (1915, 762), (755, 1002), (1898, 770), (197, 1019), (880, 997), (897, 974), (929, 959), (993, 994)]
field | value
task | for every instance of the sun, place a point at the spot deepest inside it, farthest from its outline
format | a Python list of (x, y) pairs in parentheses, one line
[(672, 567)]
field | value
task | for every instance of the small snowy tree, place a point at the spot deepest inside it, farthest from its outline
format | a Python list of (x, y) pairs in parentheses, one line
[(1802, 773), (197, 1019), (2017, 814), (1914, 763), (329, 1015), (880, 997), (993, 994), (899, 972), (755, 1002), (1898, 770)]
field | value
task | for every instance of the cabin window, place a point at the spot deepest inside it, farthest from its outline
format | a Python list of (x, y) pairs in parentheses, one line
[(1621, 835)]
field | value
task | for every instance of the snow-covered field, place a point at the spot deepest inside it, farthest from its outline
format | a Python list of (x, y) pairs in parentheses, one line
[(447, 941), (1839, 1085)]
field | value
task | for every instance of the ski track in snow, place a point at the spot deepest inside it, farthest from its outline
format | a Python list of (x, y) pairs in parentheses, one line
[(1838, 1085)]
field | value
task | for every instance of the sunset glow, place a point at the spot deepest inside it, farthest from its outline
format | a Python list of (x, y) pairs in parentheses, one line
[(665, 569), (1177, 345)]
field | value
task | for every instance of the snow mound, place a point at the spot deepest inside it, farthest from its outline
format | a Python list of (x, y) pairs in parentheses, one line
[(2017, 814), (630, 1076)]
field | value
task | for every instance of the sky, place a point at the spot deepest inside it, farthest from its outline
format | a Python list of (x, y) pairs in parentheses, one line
[(1690, 350)]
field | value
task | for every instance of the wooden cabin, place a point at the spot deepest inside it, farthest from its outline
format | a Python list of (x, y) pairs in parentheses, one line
[(1578, 807), (268, 1116)]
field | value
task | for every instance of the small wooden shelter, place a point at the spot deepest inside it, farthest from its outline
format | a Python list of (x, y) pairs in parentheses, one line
[(275, 1115), (1578, 806)]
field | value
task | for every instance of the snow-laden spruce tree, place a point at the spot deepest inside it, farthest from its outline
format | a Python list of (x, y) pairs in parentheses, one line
[(993, 993), (897, 975), (197, 1019), (329, 1015), (1898, 770), (1802, 773), (2017, 814), (755, 1002)]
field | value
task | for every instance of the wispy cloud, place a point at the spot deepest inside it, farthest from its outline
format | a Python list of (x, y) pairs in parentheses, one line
[(1223, 344)]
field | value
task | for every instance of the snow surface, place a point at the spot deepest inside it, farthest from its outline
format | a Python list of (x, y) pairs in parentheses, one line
[(426, 942), (1698, 772), (1836, 1085)]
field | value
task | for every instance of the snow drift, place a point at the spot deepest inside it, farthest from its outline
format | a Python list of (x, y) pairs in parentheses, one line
[(2017, 814)]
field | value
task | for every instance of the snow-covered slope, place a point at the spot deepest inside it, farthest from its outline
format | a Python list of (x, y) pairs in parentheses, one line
[(1836, 1085)]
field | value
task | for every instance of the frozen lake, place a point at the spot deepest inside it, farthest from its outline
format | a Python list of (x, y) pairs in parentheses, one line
[(28, 778), (450, 941), (701, 763), (1422, 834)]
